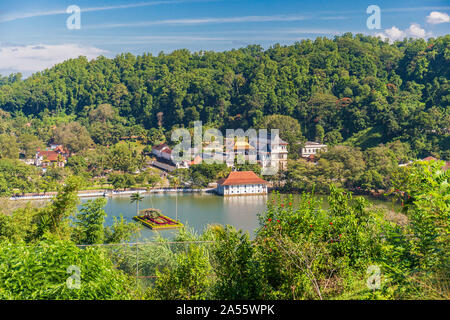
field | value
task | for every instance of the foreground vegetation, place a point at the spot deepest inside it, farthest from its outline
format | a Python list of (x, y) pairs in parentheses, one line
[(299, 251)]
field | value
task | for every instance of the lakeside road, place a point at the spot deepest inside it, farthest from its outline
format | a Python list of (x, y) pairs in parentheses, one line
[(109, 193)]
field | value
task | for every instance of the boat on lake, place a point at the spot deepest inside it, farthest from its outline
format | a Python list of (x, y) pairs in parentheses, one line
[(154, 219)]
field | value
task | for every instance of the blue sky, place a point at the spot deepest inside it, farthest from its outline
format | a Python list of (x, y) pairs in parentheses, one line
[(34, 36)]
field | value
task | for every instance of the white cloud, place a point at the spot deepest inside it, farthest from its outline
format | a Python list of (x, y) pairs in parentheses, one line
[(414, 9), (413, 31), (437, 17), (31, 58), (199, 21), (382, 35), (394, 33)]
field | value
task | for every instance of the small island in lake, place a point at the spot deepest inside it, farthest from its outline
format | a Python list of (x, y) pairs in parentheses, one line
[(154, 219)]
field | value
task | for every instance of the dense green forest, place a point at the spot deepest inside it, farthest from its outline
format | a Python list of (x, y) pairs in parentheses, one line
[(352, 88)]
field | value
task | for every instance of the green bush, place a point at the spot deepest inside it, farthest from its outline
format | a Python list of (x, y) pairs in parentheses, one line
[(40, 271)]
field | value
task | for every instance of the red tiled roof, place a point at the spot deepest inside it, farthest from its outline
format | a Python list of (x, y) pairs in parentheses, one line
[(168, 151), (50, 155), (160, 147), (241, 177), (61, 149), (197, 160), (429, 159)]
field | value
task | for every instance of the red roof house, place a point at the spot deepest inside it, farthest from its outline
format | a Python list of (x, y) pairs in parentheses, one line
[(61, 150), (160, 147), (45, 157), (160, 150), (241, 183), (197, 160)]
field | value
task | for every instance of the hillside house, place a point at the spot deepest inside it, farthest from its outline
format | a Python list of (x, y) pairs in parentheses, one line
[(46, 158), (312, 148), (272, 152), (157, 150), (240, 183)]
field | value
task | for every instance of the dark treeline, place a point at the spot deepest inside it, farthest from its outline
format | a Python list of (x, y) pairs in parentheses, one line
[(350, 87)]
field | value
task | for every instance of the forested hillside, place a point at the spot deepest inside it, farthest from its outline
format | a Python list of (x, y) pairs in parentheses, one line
[(355, 88)]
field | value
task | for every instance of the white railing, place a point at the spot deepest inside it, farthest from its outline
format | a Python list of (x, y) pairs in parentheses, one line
[(110, 193)]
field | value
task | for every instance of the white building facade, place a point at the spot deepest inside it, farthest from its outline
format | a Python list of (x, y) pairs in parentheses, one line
[(239, 183), (312, 148)]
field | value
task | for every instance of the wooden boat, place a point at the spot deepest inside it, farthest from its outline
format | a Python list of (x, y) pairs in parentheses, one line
[(154, 219)]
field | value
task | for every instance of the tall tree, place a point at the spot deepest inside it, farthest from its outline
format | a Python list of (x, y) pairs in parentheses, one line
[(89, 222), (136, 197), (73, 136)]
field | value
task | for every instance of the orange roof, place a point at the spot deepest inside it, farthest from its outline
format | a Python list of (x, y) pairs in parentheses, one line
[(197, 160), (241, 177), (160, 147), (50, 155), (61, 149), (429, 159)]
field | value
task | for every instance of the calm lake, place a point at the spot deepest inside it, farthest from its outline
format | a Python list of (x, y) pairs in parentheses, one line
[(199, 210)]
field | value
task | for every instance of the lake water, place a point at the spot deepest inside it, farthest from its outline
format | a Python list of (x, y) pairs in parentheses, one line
[(199, 210)]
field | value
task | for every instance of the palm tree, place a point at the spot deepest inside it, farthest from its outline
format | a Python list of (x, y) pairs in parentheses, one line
[(136, 197)]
